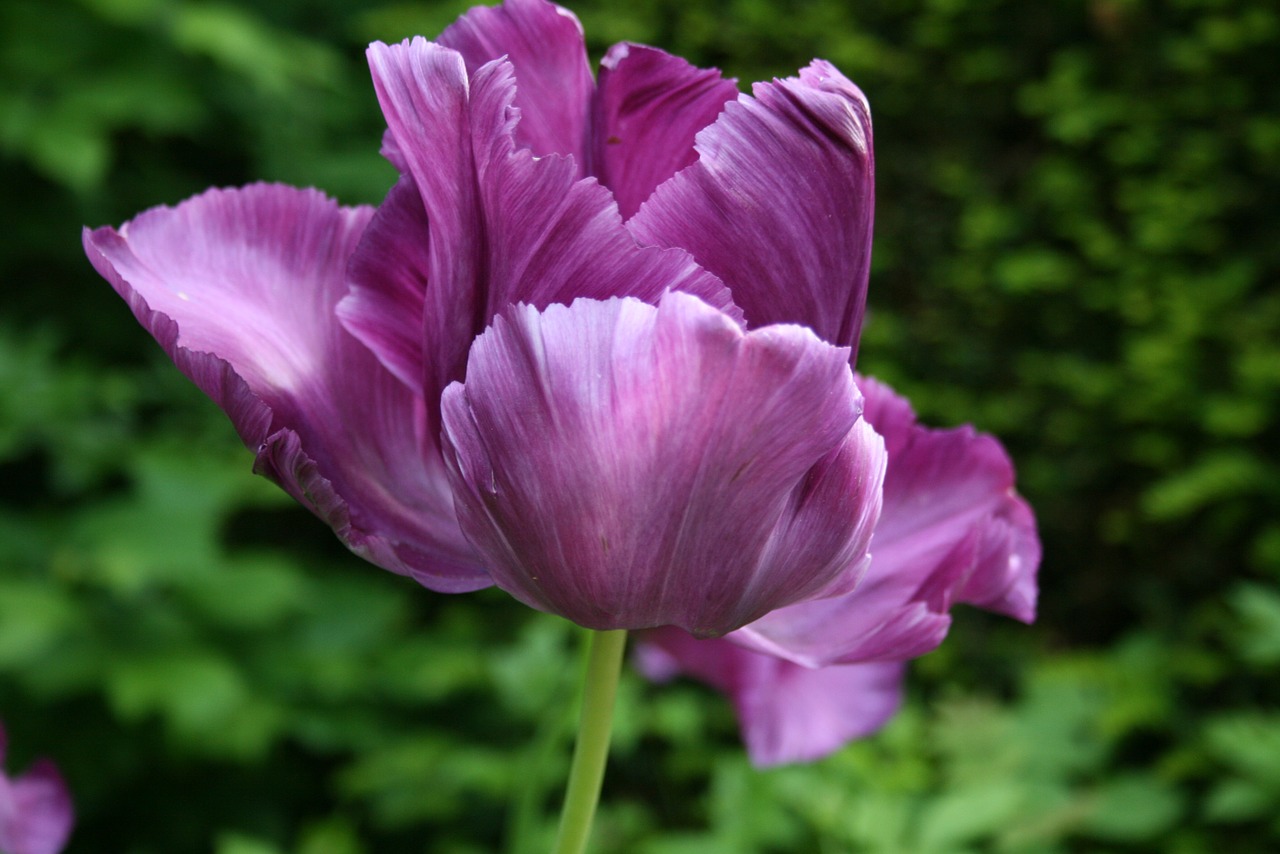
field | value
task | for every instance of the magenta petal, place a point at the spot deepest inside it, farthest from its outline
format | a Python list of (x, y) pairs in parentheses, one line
[(628, 466), (951, 490), (36, 814), (952, 530), (787, 713), (39, 814), (387, 278), (544, 43), (886, 618), (1004, 578), (505, 226), (779, 203), (239, 287), (649, 107), (391, 151)]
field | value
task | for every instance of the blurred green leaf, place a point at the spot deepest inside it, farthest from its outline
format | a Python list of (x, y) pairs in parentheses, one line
[(1250, 744), (970, 814), (335, 835), (1133, 808), (240, 40), (1239, 800), (1218, 475), (1259, 632), (233, 843)]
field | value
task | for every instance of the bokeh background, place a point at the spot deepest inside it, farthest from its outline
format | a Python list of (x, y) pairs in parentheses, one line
[(1076, 249)]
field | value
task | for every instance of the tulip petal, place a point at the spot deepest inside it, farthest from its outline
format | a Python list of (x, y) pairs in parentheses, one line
[(628, 466), (787, 713), (649, 108), (1004, 580), (952, 530), (387, 281), (545, 45), (36, 813), (505, 226), (391, 151), (779, 203), (239, 288), (947, 487)]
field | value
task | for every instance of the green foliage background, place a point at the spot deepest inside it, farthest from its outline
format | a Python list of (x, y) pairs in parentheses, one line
[(1076, 250)]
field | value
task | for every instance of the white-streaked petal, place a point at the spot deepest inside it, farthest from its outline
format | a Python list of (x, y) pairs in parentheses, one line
[(629, 466)]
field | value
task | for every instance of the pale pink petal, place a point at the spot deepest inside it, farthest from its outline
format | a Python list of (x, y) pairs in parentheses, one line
[(779, 203), (630, 467), (649, 107), (239, 287), (787, 713)]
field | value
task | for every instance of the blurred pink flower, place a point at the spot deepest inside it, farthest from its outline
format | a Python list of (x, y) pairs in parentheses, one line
[(35, 808)]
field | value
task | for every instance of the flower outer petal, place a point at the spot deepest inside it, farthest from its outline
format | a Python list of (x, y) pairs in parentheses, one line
[(949, 486), (786, 713), (779, 203), (649, 107), (547, 50), (1004, 579), (627, 466), (505, 226), (239, 288), (952, 530)]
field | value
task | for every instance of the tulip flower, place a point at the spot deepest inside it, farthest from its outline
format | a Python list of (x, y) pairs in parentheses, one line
[(35, 808), (329, 334), (595, 346)]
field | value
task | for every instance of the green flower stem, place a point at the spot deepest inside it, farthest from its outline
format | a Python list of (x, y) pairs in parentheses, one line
[(604, 664)]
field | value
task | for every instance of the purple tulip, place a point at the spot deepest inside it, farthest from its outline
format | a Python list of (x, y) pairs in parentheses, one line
[(35, 809), (595, 347), (725, 476), (807, 678)]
